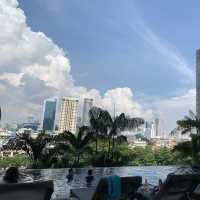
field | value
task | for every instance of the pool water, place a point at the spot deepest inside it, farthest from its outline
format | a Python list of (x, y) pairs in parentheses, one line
[(62, 188)]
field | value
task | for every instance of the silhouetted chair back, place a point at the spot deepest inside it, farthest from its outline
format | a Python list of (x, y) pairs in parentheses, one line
[(178, 187), (38, 190), (129, 186)]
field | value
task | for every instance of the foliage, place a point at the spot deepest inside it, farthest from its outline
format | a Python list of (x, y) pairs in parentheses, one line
[(102, 145), (78, 143), (143, 157), (124, 156), (34, 147), (189, 123), (190, 150), (103, 124), (17, 160), (99, 121), (164, 156)]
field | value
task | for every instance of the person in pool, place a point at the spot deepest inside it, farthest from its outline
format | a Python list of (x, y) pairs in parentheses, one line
[(11, 175), (89, 178), (70, 175)]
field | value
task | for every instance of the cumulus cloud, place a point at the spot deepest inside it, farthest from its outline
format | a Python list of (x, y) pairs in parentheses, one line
[(33, 68), (172, 109), (26, 52), (123, 100)]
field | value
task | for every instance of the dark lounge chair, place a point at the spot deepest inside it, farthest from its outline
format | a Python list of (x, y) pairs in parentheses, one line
[(179, 187), (38, 190), (129, 186)]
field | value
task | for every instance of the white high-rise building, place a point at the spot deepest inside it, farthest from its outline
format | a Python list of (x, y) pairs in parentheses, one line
[(68, 114), (155, 129), (87, 105), (198, 83)]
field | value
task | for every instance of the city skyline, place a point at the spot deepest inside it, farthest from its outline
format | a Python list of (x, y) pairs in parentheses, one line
[(118, 58)]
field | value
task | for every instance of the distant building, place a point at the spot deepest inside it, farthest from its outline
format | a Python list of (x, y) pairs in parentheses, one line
[(87, 105), (27, 131), (198, 83), (157, 129), (79, 122), (154, 130), (68, 114), (10, 126), (138, 143), (30, 119), (163, 143), (49, 114), (32, 125), (4, 137), (147, 130)]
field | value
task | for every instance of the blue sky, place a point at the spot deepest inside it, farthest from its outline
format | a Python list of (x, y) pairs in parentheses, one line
[(136, 54), (105, 46)]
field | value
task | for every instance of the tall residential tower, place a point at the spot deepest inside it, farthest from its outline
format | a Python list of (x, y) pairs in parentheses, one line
[(87, 105), (49, 114), (68, 114)]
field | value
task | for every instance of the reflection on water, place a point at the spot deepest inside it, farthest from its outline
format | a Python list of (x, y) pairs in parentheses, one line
[(62, 188)]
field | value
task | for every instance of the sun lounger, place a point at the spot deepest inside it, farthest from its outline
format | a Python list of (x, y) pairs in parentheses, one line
[(39, 190), (179, 187), (129, 186), (83, 193)]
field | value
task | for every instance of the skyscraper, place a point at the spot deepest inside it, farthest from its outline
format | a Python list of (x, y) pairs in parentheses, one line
[(68, 114), (155, 129), (198, 83), (87, 105), (49, 114)]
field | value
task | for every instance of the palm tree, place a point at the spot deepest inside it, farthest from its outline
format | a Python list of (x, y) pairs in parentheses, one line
[(34, 147), (102, 123), (57, 156), (100, 120), (121, 139), (189, 123), (78, 143), (189, 148), (120, 124)]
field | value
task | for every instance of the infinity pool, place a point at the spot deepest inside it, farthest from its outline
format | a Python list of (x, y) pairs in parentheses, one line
[(62, 188)]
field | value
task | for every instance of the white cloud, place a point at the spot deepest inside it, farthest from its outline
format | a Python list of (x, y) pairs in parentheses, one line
[(123, 100), (33, 67), (13, 78), (169, 53), (172, 109)]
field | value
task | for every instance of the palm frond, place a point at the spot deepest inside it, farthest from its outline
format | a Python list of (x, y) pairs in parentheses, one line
[(185, 148)]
